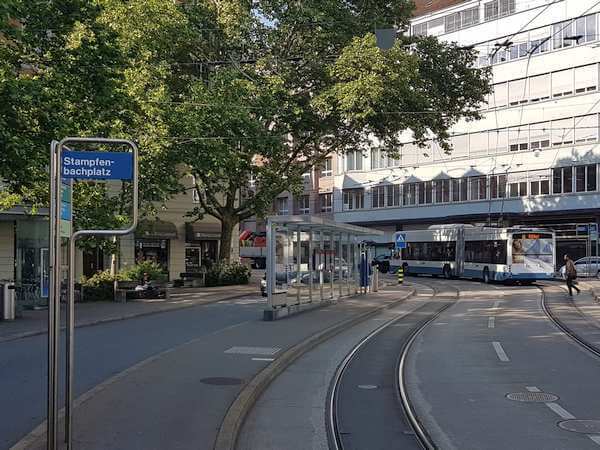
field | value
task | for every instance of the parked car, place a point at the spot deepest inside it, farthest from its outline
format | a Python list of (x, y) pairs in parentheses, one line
[(382, 262), (586, 267)]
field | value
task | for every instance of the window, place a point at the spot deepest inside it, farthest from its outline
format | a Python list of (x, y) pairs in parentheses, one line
[(539, 88), (461, 19), (452, 22), (470, 16), (540, 186), (486, 252), (518, 138), (420, 29), (425, 192), (500, 95), (586, 78), (304, 204), (378, 197), (354, 160), (590, 28), (429, 251), (562, 132), (518, 189), (478, 188), (498, 140), (478, 143), (562, 83), (575, 32), (327, 167), (378, 159), (585, 178), (498, 8), (539, 135), (562, 180), (354, 199), (442, 191), (498, 186), (517, 93), (326, 202), (281, 205), (459, 189), (586, 128), (409, 194), (393, 195)]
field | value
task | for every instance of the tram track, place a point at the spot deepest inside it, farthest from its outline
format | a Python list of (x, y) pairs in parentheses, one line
[(562, 326), (396, 347)]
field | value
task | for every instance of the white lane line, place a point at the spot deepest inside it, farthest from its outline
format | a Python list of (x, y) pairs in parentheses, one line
[(496, 304), (491, 322), (562, 412), (595, 438), (263, 359), (500, 352), (532, 389)]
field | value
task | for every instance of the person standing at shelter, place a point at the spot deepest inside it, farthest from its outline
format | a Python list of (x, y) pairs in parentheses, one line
[(570, 274)]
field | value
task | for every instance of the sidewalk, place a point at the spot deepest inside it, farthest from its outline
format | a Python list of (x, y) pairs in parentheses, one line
[(588, 304), (36, 322)]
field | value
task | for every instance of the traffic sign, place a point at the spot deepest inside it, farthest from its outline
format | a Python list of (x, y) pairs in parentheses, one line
[(400, 241), (66, 210), (97, 165)]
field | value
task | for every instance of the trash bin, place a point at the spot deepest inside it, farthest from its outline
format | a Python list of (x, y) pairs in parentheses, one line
[(7, 293)]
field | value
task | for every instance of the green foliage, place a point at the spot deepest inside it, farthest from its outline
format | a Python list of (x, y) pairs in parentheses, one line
[(227, 273), (99, 287), (136, 273)]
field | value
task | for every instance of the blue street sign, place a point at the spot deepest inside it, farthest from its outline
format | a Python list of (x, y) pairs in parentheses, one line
[(97, 165), (400, 241)]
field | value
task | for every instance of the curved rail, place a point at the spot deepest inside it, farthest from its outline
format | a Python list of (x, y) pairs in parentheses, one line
[(564, 328), (334, 437)]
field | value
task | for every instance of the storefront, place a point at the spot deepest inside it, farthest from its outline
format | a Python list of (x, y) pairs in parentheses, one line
[(153, 242), (202, 245)]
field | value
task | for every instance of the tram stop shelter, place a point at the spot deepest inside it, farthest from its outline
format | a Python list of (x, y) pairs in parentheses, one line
[(312, 261)]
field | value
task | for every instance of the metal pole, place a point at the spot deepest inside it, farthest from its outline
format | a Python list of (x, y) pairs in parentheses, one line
[(70, 360), (340, 269), (270, 262), (348, 257), (321, 263), (52, 391), (332, 267), (310, 264), (298, 264)]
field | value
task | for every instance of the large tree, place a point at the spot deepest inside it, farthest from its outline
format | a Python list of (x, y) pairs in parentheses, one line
[(297, 81)]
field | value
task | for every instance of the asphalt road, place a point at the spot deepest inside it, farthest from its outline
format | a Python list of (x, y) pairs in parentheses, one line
[(101, 352), (491, 344)]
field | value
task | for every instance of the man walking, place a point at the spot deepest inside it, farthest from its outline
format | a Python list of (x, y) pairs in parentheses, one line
[(570, 274)]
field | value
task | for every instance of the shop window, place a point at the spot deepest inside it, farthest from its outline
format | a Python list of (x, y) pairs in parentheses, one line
[(193, 259), (154, 250)]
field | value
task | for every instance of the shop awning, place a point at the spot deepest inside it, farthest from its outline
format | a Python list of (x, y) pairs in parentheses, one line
[(156, 229), (202, 231)]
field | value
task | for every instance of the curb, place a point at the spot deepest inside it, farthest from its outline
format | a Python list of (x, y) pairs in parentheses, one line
[(15, 337), (241, 406)]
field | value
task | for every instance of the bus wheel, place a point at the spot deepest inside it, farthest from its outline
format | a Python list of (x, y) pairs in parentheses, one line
[(447, 273), (486, 275)]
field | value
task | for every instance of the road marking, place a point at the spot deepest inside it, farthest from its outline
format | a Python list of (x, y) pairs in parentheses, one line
[(562, 412), (263, 359), (265, 351), (500, 352), (595, 438), (491, 322), (496, 304), (532, 389)]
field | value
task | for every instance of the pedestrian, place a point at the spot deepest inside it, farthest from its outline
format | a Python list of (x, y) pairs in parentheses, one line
[(571, 275)]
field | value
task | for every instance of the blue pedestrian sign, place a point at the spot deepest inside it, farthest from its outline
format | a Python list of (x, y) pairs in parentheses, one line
[(97, 165), (400, 241)]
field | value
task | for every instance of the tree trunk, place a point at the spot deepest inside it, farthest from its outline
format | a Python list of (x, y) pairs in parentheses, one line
[(227, 227)]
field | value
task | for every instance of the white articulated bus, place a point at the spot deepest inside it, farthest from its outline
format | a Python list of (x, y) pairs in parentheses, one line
[(488, 254)]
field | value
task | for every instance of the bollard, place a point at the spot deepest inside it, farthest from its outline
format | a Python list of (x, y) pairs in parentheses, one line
[(400, 275)]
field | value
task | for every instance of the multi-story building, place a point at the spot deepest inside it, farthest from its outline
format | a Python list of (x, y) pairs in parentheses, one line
[(532, 158)]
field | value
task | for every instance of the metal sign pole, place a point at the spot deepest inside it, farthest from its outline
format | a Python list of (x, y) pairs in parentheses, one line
[(55, 233), (52, 393)]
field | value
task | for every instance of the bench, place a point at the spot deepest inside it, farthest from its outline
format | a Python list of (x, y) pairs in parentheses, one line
[(126, 291)]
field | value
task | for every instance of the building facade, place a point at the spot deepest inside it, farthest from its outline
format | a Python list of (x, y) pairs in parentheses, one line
[(532, 158)]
